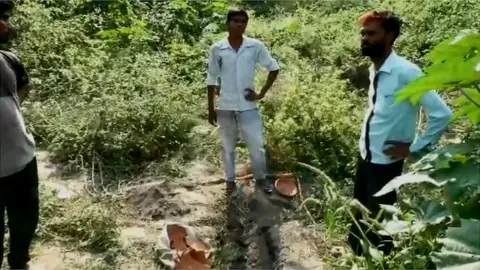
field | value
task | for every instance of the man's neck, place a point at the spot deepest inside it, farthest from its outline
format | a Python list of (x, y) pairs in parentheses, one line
[(235, 40), (379, 60)]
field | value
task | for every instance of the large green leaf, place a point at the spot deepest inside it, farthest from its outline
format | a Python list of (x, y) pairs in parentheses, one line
[(454, 65), (427, 213), (461, 247), (468, 105), (441, 158), (393, 227), (455, 47), (409, 178), (430, 212), (459, 176), (455, 73), (469, 208)]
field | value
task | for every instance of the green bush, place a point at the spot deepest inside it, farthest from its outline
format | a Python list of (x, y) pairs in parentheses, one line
[(130, 113), (125, 107), (124, 80), (315, 122), (315, 114), (311, 114)]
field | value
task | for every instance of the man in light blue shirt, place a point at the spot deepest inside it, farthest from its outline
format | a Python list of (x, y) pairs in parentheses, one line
[(388, 132), (233, 60)]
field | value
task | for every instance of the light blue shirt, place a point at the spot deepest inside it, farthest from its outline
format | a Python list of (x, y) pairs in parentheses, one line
[(397, 122), (236, 71)]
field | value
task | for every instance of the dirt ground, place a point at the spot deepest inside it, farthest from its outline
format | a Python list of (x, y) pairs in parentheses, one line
[(192, 200)]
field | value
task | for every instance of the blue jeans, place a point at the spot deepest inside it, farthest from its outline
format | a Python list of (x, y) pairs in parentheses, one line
[(250, 125)]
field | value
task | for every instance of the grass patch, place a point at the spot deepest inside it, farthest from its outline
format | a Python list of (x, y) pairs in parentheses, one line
[(88, 223)]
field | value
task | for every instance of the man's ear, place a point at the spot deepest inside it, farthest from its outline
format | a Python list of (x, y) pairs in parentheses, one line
[(390, 37)]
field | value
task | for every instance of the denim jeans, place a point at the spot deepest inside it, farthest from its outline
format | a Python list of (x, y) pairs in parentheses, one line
[(250, 125)]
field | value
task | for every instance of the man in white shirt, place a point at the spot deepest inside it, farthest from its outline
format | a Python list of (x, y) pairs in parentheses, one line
[(18, 165), (388, 133), (233, 60)]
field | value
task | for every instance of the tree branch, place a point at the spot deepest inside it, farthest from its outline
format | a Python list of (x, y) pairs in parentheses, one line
[(470, 98)]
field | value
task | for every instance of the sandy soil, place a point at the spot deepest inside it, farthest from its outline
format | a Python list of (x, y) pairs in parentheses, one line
[(192, 200)]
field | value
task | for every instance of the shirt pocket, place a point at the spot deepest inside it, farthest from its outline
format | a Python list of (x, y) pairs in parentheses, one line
[(226, 59), (249, 56), (386, 105)]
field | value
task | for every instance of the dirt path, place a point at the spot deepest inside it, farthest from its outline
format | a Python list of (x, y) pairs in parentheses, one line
[(196, 200)]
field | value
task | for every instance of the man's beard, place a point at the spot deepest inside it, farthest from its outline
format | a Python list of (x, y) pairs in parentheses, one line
[(8, 36), (4, 39), (372, 50)]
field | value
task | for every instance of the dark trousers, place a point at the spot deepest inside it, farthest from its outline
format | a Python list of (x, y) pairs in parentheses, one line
[(19, 196), (370, 179)]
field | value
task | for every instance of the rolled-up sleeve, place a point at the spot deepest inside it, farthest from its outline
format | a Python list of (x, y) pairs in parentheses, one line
[(213, 70), (266, 60)]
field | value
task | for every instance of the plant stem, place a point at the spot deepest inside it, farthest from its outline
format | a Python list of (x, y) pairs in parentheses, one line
[(470, 98)]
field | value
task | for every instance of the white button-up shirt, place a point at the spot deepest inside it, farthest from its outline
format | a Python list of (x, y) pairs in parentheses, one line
[(386, 121), (236, 71)]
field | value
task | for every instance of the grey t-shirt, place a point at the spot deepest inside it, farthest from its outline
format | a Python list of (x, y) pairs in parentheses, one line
[(17, 147)]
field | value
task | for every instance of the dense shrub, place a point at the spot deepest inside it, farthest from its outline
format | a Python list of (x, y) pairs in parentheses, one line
[(313, 115), (315, 122), (123, 106), (124, 80)]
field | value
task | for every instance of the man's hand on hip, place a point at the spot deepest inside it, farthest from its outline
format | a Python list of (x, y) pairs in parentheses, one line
[(397, 150), (212, 117)]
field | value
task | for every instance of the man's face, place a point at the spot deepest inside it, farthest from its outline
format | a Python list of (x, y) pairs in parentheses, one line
[(374, 39), (237, 25), (5, 27)]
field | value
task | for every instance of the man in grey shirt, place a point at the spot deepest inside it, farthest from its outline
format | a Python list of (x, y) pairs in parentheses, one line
[(18, 166)]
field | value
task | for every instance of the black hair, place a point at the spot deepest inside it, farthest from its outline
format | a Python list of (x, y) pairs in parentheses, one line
[(6, 5), (236, 12)]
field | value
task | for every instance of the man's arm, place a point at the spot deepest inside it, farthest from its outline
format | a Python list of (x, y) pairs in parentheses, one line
[(265, 60), (438, 116), (213, 71), (23, 92), (21, 75)]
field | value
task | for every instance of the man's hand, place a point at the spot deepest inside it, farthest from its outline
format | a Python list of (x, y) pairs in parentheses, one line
[(397, 150), (212, 117), (23, 92), (253, 96), (260, 96)]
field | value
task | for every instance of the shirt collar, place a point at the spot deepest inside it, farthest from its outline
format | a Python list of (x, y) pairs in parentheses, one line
[(247, 42), (387, 66)]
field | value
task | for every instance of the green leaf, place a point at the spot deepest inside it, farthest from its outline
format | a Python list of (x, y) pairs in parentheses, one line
[(390, 209), (375, 253), (441, 76), (454, 47), (427, 213), (430, 212), (455, 64), (470, 208), (442, 157), (393, 227), (461, 247), (409, 178), (459, 177)]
